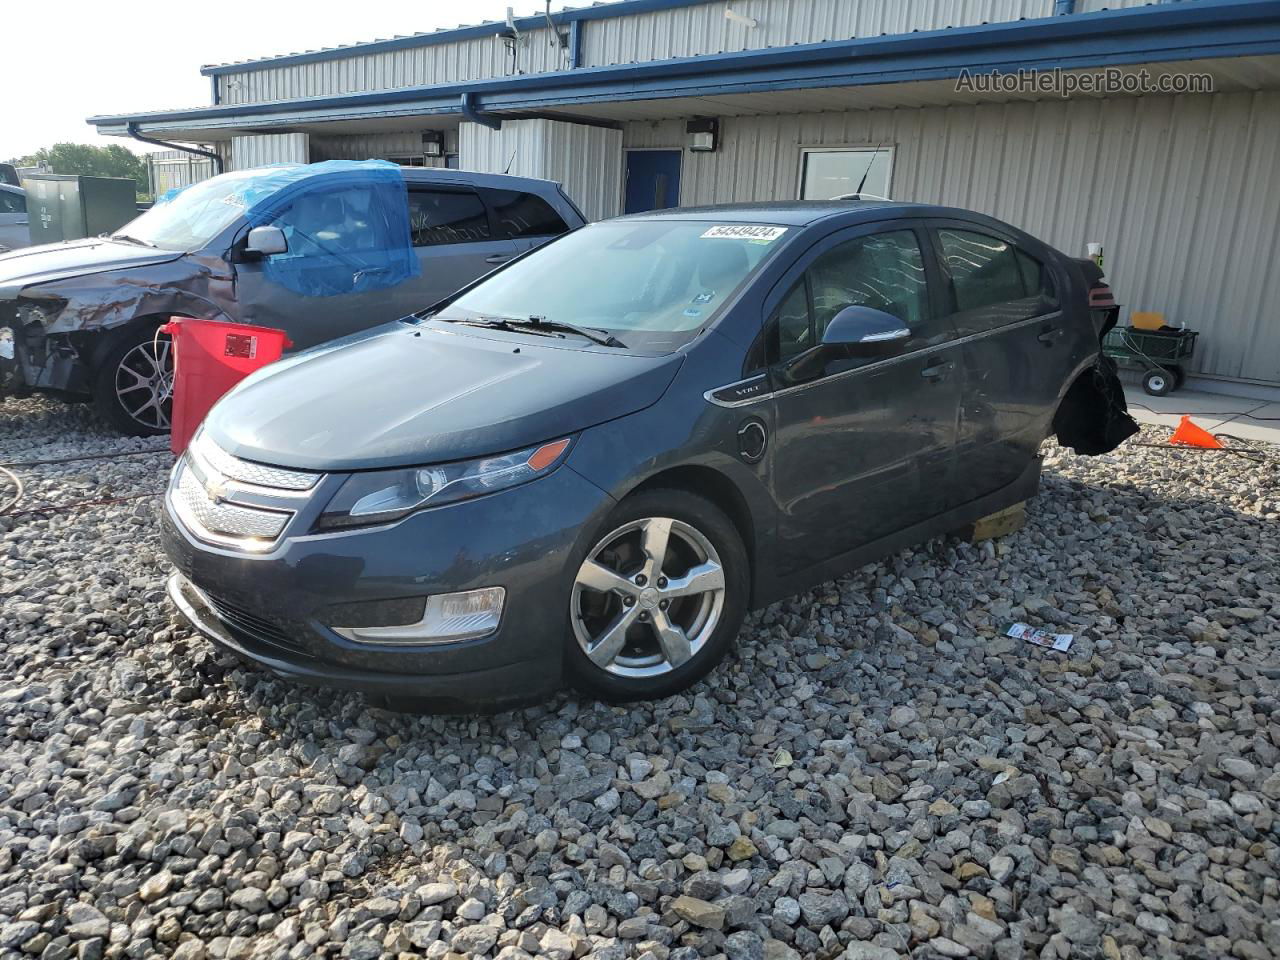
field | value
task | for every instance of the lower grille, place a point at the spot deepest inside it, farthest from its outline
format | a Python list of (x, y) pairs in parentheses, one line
[(250, 626)]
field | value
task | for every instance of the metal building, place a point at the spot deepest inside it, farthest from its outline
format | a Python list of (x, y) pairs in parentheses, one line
[(1167, 160)]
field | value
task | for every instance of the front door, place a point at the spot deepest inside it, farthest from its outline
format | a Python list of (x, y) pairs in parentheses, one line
[(652, 180), (864, 445), (340, 273)]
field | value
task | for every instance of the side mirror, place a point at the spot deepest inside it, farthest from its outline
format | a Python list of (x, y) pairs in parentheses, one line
[(266, 241), (866, 332)]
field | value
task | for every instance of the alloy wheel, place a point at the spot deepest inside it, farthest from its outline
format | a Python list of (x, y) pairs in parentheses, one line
[(648, 597), (144, 383)]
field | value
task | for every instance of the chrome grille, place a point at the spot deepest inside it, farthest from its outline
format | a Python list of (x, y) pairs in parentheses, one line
[(205, 513), (233, 468)]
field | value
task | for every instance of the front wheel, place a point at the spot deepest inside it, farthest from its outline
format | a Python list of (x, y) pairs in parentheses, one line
[(658, 599), (133, 384)]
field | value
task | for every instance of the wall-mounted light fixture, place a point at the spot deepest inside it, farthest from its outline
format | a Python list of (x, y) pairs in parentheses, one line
[(433, 143), (704, 134)]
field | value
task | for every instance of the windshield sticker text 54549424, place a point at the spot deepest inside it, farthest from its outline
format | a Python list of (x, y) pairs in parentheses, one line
[(744, 231)]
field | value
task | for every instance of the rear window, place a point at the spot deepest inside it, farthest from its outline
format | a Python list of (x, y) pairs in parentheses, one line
[(521, 214)]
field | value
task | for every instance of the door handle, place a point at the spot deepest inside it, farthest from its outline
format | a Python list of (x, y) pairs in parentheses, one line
[(1049, 335), (937, 371), (499, 258)]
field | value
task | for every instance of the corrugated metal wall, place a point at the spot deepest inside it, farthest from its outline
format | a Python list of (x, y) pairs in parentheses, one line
[(418, 66), (257, 150), (704, 29), (1181, 190), (170, 169), (587, 161), (373, 146), (687, 32)]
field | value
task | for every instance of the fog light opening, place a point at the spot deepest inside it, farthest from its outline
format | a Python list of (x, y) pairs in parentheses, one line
[(448, 618)]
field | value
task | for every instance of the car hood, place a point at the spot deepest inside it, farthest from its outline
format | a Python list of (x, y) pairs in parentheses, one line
[(75, 258), (403, 395)]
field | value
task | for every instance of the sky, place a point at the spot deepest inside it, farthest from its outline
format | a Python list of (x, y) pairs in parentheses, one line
[(147, 54)]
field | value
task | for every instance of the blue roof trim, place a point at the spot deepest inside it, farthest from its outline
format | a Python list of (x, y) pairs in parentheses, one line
[(602, 11), (1184, 31)]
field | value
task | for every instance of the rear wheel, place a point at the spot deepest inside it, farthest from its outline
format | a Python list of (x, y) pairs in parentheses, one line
[(658, 599), (133, 384)]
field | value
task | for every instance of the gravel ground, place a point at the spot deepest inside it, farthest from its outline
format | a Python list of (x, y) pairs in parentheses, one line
[(875, 774)]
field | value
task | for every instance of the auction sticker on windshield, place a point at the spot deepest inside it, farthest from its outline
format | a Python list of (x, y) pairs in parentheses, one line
[(744, 231)]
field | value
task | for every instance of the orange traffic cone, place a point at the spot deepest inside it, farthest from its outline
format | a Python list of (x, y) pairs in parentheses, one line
[(1189, 435)]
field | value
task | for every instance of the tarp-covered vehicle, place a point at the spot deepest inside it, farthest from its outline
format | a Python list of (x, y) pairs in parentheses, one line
[(319, 251)]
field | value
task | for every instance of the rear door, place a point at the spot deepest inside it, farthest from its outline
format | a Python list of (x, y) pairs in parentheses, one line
[(455, 239), (864, 446), (1016, 354)]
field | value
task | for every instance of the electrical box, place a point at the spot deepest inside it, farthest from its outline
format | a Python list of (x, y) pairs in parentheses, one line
[(68, 207)]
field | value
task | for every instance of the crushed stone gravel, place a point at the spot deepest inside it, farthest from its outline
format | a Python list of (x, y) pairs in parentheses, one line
[(875, 773)]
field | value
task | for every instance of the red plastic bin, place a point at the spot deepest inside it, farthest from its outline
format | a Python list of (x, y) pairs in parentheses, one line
[(209, 358)]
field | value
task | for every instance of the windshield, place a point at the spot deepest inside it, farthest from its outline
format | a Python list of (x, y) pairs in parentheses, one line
[(193, 217), (653, 283)]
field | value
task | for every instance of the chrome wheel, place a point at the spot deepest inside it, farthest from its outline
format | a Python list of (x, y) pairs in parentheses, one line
[(648, 597), (144, 383)]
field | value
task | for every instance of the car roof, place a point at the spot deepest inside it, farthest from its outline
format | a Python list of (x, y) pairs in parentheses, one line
[(498, 181), (833, 213)]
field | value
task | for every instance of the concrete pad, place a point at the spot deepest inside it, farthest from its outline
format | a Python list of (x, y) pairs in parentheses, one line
[(1209, 410), (1253, 427)]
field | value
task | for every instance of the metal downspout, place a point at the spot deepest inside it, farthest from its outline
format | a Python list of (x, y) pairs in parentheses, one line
[(132, 129), (1064, 8), (475, 116)]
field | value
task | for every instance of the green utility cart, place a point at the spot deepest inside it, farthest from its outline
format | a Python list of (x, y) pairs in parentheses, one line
[(1161, 354)]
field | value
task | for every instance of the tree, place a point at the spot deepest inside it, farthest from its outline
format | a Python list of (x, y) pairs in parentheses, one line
[(91, 161)]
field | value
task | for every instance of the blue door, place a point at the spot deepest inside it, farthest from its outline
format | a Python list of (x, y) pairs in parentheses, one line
[(653, 180)]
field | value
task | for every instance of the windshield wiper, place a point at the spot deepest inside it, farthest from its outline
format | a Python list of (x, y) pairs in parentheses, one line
[(542, 325), (128, 239)]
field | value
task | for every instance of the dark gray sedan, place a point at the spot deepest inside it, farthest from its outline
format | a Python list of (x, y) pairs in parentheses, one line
[(590, 464)]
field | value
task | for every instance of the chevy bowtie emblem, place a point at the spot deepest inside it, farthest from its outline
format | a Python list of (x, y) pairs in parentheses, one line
[(216, 490)]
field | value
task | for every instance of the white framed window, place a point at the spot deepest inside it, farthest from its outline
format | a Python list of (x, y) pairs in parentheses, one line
[(829, 172)]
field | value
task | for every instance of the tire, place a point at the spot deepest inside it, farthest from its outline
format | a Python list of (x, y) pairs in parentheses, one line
[(1179, 376), (631, 663), (1158, 383), (131, 389)]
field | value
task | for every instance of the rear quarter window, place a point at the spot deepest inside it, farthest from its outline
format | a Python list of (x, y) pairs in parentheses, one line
[(519, 214)]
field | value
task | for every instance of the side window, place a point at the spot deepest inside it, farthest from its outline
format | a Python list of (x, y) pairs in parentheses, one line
[(1037, 280), (12, 202), (522, 214), (984, 269), (327, 222), (884, 271), (446, 216)]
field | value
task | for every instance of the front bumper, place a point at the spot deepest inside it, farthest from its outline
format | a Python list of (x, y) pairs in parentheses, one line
[(276, 608)]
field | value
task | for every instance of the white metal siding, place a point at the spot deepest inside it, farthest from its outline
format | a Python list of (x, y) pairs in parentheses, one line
[(260, 149), (413, 67), (586, 161), (704, 29), (1180, 190), (170, 169), (688, 32)]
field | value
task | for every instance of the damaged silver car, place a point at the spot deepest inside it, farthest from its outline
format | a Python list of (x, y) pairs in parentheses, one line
[(318, 251)]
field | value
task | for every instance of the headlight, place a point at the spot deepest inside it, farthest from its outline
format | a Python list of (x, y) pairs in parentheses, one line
[(386, 495)]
